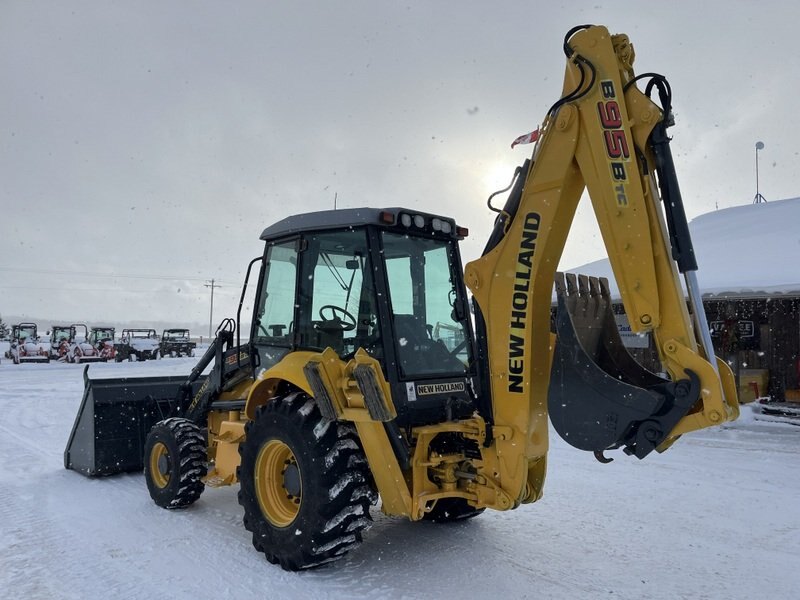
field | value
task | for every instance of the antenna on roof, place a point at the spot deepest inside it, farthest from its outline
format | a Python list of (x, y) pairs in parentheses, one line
[(335, 196), (758, 197)]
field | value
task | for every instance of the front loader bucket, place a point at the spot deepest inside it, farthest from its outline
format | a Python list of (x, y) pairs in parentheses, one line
[(114, 419), (600, 398)]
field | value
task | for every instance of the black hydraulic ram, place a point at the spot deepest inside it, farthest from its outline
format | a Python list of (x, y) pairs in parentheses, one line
[(501, 224), (197, 409), (677, 225)]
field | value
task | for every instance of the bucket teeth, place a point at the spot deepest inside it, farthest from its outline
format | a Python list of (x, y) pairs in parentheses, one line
[(595, 285), (572, 284), (583, 285), (604, 287), (559, 283), (584, 295)]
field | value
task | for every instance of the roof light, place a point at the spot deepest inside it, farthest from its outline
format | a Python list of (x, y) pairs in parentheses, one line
[(405, 220), (419, 221), (387, 217)]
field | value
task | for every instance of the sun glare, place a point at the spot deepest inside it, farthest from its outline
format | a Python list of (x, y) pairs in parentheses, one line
[(498, 176)]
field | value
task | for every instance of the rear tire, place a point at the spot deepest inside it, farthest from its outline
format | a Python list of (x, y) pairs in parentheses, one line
[(174, 461), (304, 484)]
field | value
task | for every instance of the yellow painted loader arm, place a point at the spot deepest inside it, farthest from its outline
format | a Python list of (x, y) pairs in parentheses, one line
[(607, 136)]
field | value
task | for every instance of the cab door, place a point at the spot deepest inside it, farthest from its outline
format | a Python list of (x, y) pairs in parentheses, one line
[(273, 328)]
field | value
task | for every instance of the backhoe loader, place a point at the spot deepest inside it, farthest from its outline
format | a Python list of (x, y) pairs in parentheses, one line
[(367, 376)]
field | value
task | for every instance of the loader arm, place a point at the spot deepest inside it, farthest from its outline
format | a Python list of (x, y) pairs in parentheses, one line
[(608, 137)]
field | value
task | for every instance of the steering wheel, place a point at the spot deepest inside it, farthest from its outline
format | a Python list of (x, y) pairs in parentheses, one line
[(347, 323)]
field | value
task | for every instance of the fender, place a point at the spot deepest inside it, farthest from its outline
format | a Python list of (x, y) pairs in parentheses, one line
[(289, 369)]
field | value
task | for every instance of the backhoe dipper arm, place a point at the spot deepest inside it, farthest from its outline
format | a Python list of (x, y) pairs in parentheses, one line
[(607, 136)]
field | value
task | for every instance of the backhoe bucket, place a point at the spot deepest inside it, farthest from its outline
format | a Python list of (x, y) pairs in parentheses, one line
[(600, 398), (114, 419)]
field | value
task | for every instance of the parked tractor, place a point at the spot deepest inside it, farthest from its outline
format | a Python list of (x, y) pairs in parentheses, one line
[(26, 346), (67, 344), (102, 340), (61, 337), (81, 349)]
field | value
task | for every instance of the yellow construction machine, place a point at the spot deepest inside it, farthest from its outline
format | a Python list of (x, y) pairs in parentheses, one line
[(368, 374)]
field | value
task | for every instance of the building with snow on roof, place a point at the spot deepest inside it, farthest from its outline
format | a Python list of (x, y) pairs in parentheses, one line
[(749, 274)]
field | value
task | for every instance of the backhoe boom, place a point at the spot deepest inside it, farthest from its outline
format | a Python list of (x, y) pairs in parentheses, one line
[(605, 136)]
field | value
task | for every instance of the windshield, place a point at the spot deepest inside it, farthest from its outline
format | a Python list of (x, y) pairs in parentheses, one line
[(428, 315), (141, 333), (102, 334), (176, 335), (59, 335)]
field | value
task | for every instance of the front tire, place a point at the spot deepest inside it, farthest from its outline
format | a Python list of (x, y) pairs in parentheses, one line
[(304, 484), (174, 461)]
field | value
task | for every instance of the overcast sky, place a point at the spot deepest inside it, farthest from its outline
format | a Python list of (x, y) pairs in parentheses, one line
[(157, 139)]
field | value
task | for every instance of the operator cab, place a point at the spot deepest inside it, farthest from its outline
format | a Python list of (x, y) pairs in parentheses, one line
[(388, 281)]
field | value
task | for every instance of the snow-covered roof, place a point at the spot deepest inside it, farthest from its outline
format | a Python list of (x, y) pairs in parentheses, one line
[(744, 251)]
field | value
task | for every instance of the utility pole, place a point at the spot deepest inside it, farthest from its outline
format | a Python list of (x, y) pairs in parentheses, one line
[(211, 285), (758, 197)]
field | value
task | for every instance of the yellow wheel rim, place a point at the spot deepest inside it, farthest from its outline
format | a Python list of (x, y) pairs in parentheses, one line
[(160, 465), (278, 484)]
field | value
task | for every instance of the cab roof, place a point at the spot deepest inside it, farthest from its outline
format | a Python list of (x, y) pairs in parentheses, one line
[(337, 219)]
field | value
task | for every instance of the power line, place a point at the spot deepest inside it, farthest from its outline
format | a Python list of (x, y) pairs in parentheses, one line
[(107, 275), (107, 290)]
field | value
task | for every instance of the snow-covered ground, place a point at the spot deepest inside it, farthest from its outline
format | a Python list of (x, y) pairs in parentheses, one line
[(717, 516)]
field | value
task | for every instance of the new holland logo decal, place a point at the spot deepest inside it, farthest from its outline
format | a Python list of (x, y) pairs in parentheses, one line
[(440, 388)]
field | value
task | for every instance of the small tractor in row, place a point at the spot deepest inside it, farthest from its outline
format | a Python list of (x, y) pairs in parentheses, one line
[(75, 344), (26, 346)]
